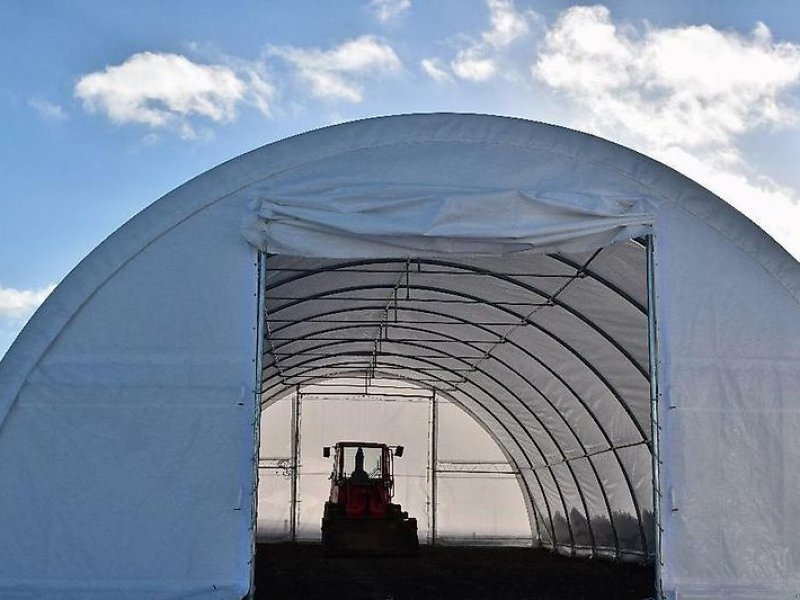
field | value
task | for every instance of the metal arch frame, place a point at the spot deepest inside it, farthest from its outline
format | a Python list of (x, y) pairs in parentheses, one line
[(533, 512), (478, 300), (547, 464), (585, 271), (359, 368), (550, 370), (530, 409), (522, 426), (551, 299), (471, 324), (565, 460), (525, 406)]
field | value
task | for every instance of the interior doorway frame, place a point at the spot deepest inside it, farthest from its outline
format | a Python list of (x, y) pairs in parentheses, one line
[(655, 406), (653, 334)]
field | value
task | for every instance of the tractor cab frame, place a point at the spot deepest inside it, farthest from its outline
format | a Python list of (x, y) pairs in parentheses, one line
[(359, 516)]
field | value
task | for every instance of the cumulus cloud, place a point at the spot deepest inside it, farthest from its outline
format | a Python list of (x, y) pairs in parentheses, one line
[(336, 74), (20, 304), (480, 59), (48, 110), (474, 65), (684, 95), (388, 11), (693, 86), (164, 90), (507, 24)]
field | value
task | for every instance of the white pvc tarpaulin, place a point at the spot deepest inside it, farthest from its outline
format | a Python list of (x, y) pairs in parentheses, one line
[(128, 405)]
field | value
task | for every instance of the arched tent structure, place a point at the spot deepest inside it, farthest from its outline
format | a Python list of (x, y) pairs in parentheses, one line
[(561, 287)]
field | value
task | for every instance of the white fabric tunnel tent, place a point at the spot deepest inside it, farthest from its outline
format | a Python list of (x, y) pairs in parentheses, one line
[(589, 307)]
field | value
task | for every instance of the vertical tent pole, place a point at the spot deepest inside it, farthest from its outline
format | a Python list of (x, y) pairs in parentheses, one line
[(295, 459), (434, 460), (258, 329), (655, 427)]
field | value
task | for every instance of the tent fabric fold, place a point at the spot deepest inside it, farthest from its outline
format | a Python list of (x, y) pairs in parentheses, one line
[(437, 220)]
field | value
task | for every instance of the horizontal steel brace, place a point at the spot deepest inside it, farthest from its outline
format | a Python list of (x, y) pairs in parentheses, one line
[(422, 271), (407, 300)]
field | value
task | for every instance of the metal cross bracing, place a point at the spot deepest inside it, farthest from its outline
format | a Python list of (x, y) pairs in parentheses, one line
[(421, 352), (473, 466)]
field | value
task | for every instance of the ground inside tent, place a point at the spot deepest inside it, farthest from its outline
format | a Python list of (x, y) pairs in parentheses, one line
[(446, 572)]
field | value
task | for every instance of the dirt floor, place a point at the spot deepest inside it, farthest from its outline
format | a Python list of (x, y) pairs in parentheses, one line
[(300, 571)]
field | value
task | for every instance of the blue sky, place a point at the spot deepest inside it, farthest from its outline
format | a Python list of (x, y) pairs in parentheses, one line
[(107, 105)]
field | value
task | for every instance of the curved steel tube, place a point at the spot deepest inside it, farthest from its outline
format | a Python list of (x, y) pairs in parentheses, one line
[(477, 402), (511, 369), (615, 453), (498, 305), (533, 511), (492, 274), (478, 300)]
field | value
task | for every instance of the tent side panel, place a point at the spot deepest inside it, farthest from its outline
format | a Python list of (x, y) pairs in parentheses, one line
[(730, 380), (127, 456)]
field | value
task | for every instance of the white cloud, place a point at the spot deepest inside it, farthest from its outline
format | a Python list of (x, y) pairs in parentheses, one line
[(693, 86), (166, 90), (684, 95), (435, 70), (507, 24), (335, 74), (473, 65), (482, 59), (388, 11), (20, 304), (48, 110)]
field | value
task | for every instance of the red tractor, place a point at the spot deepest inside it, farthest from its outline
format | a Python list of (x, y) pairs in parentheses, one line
[(360, 517)]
